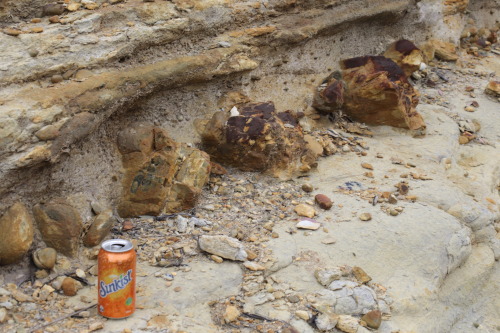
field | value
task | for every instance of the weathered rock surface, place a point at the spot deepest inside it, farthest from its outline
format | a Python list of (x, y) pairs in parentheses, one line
[(404, 53), (99, 228), (373, 90), (16, 235), (444, 50), (379, 93), (60, 225), (160, 174), (223, 246), (258, 138)]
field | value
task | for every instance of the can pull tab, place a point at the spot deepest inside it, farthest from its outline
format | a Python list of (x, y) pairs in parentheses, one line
[(117, 246)]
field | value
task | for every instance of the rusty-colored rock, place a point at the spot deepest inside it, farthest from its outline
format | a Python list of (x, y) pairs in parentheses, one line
[(323, 201), (69, 286), (160, 174), (406, 55), (373, 319), (16, 234), (330, 95), (258, 138), (379, 93), (60, 225)]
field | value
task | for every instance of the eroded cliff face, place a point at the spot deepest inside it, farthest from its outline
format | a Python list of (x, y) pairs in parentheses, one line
[(101, 99), (168, 62)]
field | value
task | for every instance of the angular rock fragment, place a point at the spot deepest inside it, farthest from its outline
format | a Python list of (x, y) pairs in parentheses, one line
[(347, 324), (305, 210), (60, 225), (444, 50), (99, 228), (258, 139), (361, 275), (325, 276), (160, 174), (223, 246), (326, 321), (373, 90), (379, 93), (16, 234), (406, 55)]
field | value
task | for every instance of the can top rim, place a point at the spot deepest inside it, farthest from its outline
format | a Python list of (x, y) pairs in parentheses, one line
[(117, 245)]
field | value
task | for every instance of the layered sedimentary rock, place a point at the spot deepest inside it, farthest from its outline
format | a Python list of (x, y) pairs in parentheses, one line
[(160, 174), (258, 138)]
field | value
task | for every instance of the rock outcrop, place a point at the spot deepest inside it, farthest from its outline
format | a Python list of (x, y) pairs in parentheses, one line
[(16, 234), (160, 174)]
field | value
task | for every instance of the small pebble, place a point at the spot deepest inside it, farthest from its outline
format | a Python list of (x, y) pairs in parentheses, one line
[(304, 315), (367, 166), (69, 286), (56, 78), (177, 289), (470, 108), (323, 201), (33, 52), (393, 212), (328, 241), (307, 188), (365, 217), (217, 259), (96, 326), (80, 273), (12, 32), (54, 19)]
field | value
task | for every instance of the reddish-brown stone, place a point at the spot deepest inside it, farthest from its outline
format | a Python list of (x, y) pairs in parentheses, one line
[(323, 201)]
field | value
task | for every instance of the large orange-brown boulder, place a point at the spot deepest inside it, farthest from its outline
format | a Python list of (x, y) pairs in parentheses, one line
[(60, 225), (161, 175), (258, 138), (373, 90), (16, 234)]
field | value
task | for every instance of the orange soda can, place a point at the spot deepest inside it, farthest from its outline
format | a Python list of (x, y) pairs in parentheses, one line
[(116, 279)]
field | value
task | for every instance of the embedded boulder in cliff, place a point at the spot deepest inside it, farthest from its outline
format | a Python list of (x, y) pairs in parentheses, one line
[(256, 137), (161, 175), (60, 225)]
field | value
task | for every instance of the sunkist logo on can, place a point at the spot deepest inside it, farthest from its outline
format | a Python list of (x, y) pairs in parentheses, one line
[(115, 285)]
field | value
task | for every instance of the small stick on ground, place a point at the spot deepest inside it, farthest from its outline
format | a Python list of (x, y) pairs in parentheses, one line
[(61, 318)]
